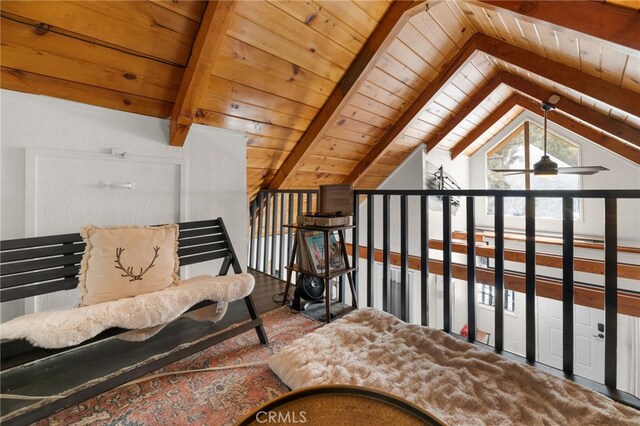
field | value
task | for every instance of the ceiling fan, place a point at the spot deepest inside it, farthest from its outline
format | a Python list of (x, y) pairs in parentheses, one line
[(546, 166)]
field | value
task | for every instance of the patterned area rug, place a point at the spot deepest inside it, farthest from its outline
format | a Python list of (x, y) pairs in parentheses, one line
[(208, 398)]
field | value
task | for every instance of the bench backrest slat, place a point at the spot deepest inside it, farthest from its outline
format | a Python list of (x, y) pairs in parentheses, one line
[(39, 241), (40, 265)]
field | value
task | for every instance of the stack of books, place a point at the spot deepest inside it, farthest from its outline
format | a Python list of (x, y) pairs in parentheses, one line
[(312, 252)]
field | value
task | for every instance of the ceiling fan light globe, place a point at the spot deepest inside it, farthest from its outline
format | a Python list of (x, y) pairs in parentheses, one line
[(545, 167)]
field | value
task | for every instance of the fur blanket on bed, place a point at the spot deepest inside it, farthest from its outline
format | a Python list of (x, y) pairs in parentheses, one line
[(69, 327), (458, 382)]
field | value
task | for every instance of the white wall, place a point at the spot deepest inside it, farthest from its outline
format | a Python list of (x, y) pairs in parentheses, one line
[(215, 161)]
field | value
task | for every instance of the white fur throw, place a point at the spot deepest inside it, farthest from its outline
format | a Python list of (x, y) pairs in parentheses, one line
[(59, 329), (458, 382)]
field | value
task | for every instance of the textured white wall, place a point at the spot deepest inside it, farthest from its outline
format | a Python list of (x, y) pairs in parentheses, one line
[(215, 159)]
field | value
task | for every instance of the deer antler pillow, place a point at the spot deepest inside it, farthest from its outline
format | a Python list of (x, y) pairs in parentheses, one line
[(127, 261)]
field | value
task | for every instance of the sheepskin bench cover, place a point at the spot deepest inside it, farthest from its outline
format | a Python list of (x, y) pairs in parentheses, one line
[(63, 328), (458, 382)]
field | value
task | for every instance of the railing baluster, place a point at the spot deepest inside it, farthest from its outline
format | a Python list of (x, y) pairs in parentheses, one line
[(610, 291), (355, 246), (289, 230), (404, 259), (259, 242), (281, 238), (386, 261), (471, 269), (530, 283), (567, 285), (265, 260), (499, 272), (424, 259), (370, 248), (446, 261), (252, 212), (309, 202), (274, 233)]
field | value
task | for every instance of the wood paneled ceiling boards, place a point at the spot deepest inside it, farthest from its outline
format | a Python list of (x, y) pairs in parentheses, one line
[(336, 91)]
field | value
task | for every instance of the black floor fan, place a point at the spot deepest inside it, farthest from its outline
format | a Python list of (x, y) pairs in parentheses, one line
[(308, 288)]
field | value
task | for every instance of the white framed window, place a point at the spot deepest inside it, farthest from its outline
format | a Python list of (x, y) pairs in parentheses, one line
[(517, 152), (487, 296)]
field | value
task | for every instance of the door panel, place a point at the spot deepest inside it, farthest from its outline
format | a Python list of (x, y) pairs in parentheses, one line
[(588, 348)]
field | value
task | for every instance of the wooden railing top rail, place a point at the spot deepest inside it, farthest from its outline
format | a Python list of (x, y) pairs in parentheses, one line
[(577, 242), (551, 288)]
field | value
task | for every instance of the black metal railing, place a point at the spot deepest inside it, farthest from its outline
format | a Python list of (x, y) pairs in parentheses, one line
[(270, 245), (610, 199)]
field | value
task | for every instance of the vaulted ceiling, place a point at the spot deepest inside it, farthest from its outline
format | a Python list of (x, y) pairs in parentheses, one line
[(337, 91)]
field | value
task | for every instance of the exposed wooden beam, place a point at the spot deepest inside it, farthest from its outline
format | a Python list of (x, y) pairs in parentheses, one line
[(628, 303), (466, 109), (599, 89), (605, 141), (213, 28), (410, 114), (572, 109), (486, 124), (610, 23), (390, 24), (482, 236), (575, 110), (625, 270), (27, 82)]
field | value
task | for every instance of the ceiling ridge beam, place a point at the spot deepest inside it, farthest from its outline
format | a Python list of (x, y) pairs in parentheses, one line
[(618, 25), (459, 116), (391, 23), (485, 125), (609, 93), (405, 120), (206, 46), (587, 132), (574, 110)]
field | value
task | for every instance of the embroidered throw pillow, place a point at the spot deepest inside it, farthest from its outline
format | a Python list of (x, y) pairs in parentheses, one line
[(126, 261)]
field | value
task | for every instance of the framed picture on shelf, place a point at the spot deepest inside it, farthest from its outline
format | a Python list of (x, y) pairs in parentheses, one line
[(313, 247)]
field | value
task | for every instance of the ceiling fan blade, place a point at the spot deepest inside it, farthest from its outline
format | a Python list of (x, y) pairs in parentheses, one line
[(512, 171), (585, 170)]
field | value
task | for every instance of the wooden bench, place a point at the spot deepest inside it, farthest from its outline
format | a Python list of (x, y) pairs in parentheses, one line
[(41, 265)]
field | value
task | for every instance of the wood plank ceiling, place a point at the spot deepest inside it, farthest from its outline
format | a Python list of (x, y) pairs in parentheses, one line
[(291, 71)]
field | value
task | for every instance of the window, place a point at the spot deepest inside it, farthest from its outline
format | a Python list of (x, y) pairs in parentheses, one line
[(486, 296), (515, 153)]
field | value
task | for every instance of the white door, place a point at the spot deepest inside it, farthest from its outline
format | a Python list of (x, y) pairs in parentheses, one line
[(588, 342)]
